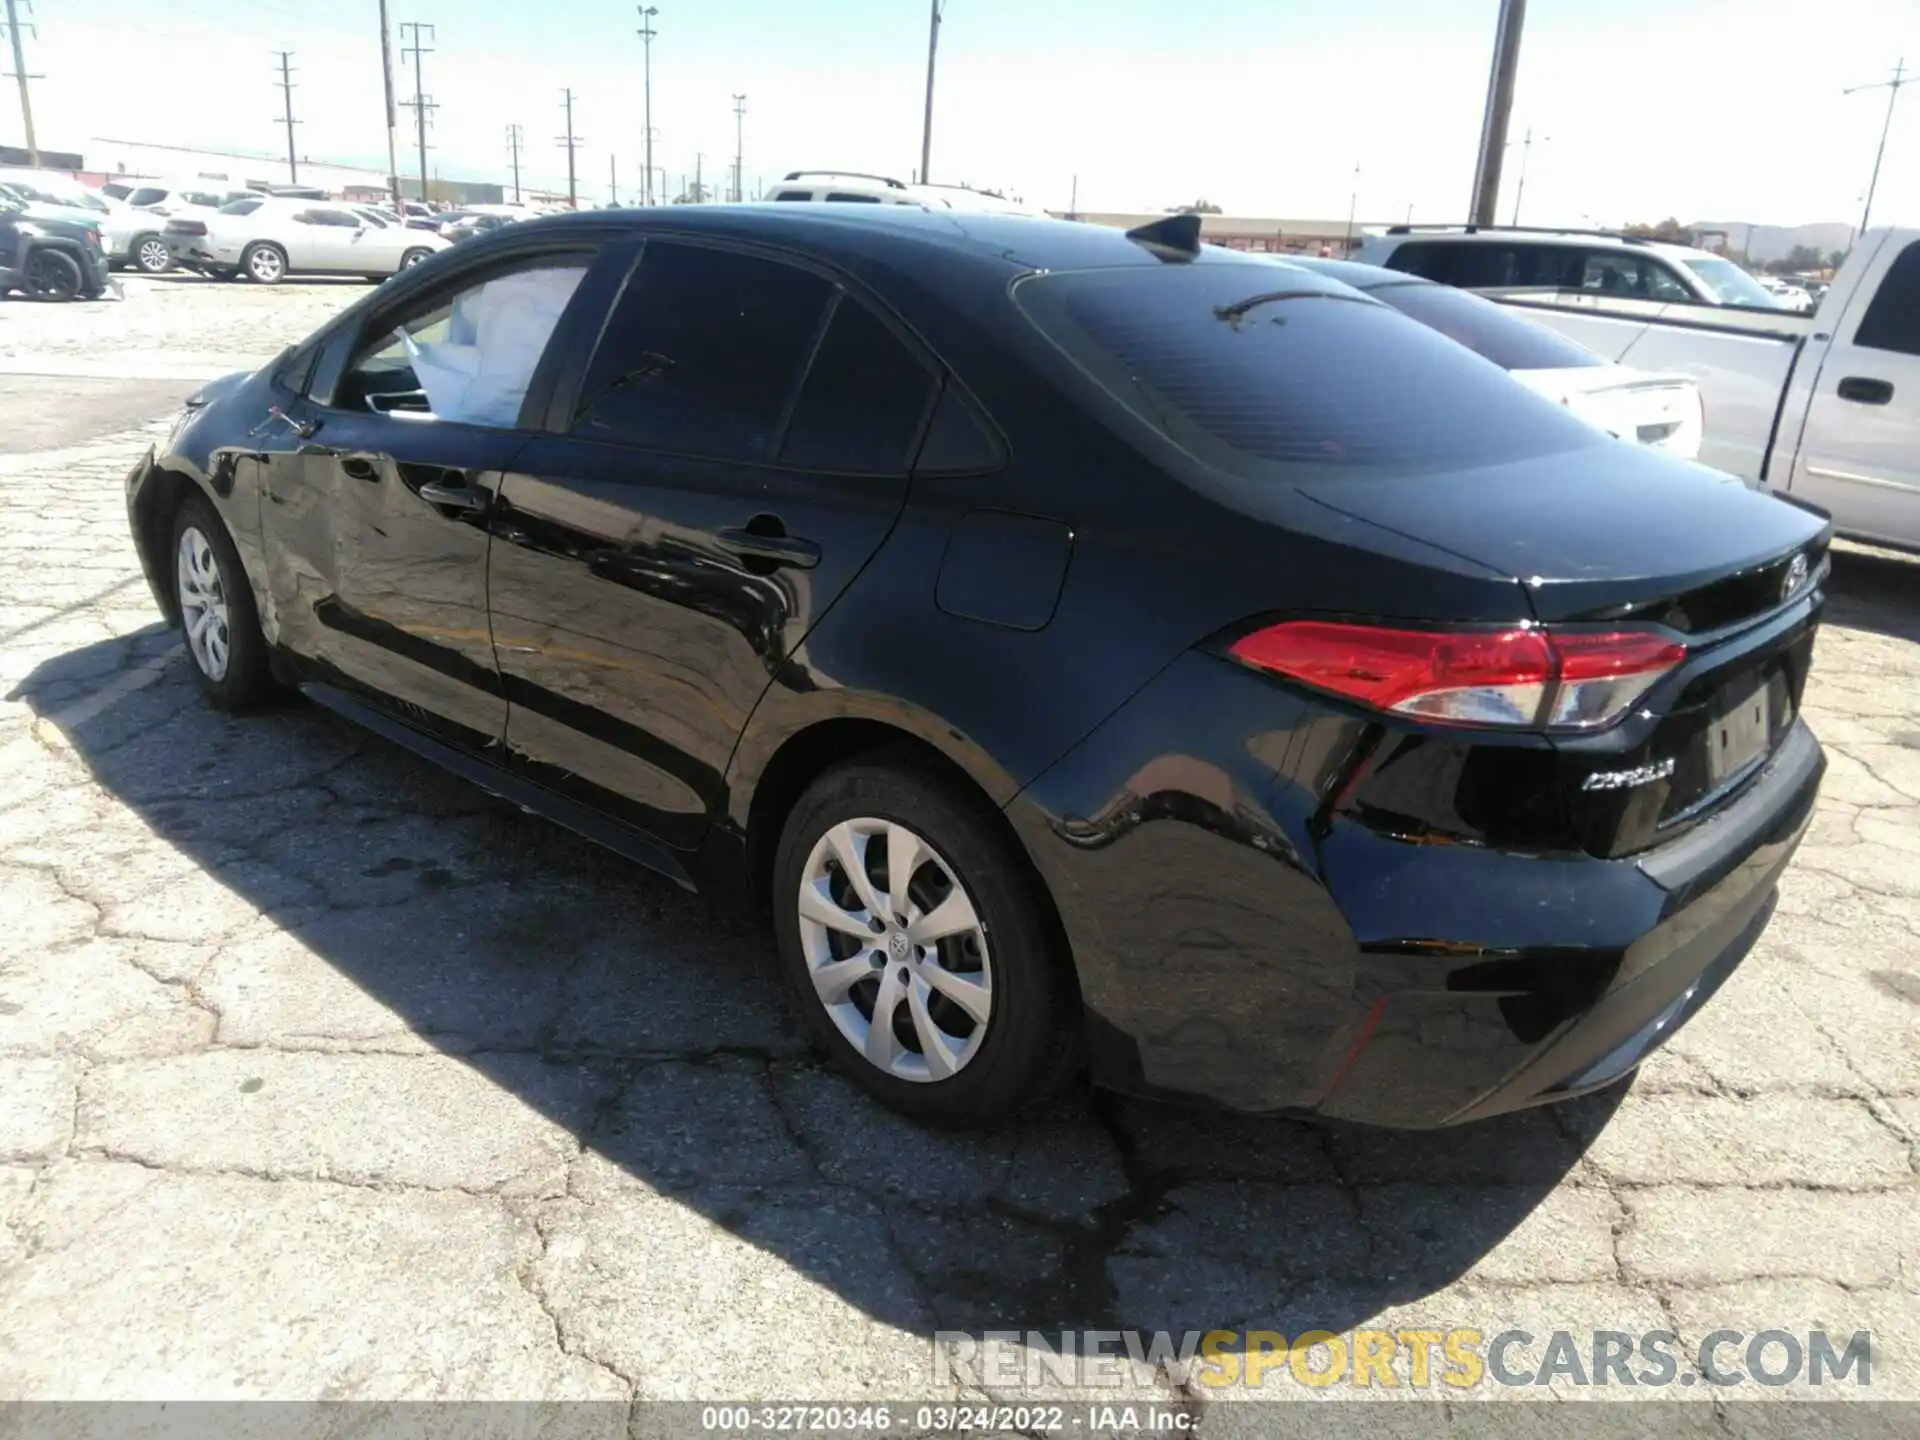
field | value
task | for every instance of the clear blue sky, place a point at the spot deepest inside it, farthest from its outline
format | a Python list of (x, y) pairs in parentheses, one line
[(1716, 109)]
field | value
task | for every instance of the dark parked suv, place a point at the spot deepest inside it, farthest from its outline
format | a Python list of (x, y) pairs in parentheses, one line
[(49, 256), (1088, 648)]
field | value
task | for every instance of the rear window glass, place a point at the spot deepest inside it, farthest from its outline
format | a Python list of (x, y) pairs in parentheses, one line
[(1485, 328), (147, 195), (1256, 369)]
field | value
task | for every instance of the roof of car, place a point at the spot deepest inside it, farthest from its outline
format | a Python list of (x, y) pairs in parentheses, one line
[(1493, 234), (1020, 242), (1351, 272)]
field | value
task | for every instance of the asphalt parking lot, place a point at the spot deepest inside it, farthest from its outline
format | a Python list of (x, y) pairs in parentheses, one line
[(324, 1076)]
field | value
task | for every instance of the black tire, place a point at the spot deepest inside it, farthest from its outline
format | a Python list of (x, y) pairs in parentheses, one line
[(413, 257), (247, 679), (51, 275), (264, 263), (149, 255), (1030, 1044)]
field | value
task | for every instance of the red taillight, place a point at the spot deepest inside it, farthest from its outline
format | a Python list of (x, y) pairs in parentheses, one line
[(1521, 677)]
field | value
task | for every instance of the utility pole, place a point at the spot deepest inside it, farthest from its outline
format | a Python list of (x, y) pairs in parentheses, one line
[(513, 149), (1526, 153), (613, 179), (393, 117), (422, 102), (286, 92), (1073, 200), (1493, 125), (1893, 87), (926, 126), (739, 123), (699, 185), (646, 33), (20, 74), (573, 144), (1353, 208)]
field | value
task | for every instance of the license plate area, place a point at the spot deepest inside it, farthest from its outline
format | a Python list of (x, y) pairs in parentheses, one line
[(1739, 736)]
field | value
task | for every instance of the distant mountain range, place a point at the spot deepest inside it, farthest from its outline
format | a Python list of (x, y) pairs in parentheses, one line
[(1773, 242)]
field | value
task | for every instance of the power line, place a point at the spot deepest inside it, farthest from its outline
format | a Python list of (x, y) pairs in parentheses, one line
[(422, 103), (19, 73), (739, 122), (1901, 79), (646, 33), (573, 143), (513, 148), (286, 93)]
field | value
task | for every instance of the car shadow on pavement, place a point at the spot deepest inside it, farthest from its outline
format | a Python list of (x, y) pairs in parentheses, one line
[(1875, 590), (363, 924)]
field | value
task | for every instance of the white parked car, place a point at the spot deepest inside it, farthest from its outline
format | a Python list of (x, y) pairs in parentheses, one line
[(1786, 294), (265, 239), (1481, 257), (1661, 410), (847, 187)]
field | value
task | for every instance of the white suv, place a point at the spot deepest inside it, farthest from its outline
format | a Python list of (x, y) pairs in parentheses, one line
[(1494, 257), (851, 187)]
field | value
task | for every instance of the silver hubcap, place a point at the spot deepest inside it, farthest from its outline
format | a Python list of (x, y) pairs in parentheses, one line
[(413, 258), (203, 604), (265, 264), (153, 255), (896, 949)]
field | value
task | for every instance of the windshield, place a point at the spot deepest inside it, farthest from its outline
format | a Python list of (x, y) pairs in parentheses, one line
[(1485, 328), (1263, 372), (1728, 284)]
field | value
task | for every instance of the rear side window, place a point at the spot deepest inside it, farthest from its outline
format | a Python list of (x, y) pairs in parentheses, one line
[(1892, 321), (703, 353), (852, 199), (793, 195), (1473, 264), (864, 400), (147, 195), (1508, 340), (1260, 372), (240, 207)]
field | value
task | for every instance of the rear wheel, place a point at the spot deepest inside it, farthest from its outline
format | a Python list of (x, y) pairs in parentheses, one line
[(414, 257), (264, 264), (51, 275), (151, 255), (915, 950), (222, 627)]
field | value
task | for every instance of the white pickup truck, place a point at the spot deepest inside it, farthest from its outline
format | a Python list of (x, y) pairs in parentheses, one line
[(1823, 406)]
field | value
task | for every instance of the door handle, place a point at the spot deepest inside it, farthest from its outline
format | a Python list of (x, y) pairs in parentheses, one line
[(1864, 391), (361, 467), (455, 497), (775, 549)]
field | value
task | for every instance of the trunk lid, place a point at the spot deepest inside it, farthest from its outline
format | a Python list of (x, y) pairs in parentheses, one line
[(1626, 536)]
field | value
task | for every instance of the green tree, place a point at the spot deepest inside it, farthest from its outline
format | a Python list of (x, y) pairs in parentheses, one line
[(1199, 207), (1670, 230), (1803, 257)]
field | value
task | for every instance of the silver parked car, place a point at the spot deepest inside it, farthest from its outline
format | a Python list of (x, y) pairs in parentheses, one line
[(266, 239)]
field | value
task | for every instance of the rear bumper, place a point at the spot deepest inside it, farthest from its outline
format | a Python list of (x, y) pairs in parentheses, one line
[(1239, 942)]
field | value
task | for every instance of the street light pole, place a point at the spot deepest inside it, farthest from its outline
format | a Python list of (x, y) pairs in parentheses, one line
[(1493, 125), (739, 149), (646, 33), (926, 127), (1893, 87)]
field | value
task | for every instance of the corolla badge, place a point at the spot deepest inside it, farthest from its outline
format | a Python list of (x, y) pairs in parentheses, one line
[(1795, 577), (1627, 779)]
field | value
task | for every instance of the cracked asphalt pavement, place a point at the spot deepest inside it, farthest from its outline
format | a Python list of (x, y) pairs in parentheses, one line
[(324, 1076)]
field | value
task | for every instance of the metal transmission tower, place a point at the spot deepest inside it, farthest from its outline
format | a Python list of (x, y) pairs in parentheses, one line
[(286, 93), (926, 128), (1493, 125), (739, 123), (20, 73), (422, 103), (646, 33), (1901, 79), (513, 150), (573, 143)]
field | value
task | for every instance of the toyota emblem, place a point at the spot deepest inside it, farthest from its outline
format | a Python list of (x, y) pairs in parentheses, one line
[(1796, 577)]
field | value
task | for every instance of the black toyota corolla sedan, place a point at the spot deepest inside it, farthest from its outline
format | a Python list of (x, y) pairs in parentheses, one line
[(1090, 649)]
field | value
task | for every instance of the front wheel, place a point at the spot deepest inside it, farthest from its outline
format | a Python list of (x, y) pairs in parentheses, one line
[(52, 275), (264, 264), (414, 257), (217, 612), (915, 949)]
